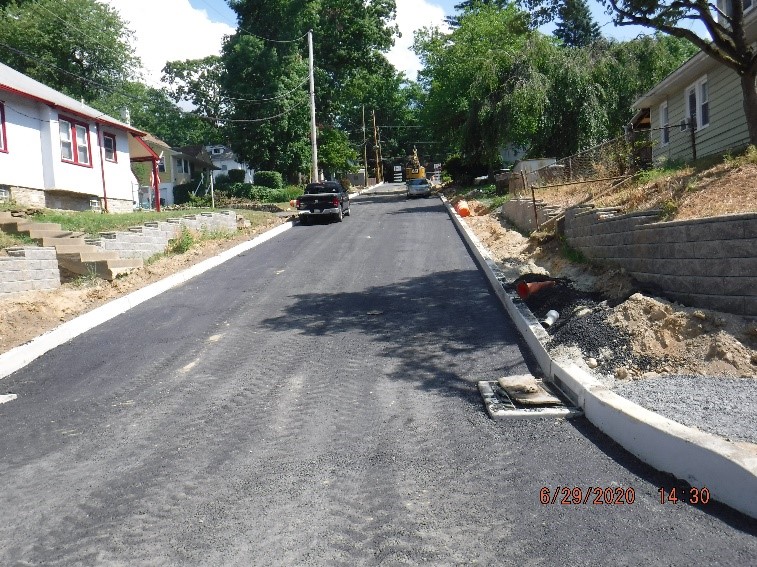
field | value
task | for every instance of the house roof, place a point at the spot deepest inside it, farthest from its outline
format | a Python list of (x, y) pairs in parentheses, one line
[(155, 141), (194, 153), (23, 85), (691, 70)]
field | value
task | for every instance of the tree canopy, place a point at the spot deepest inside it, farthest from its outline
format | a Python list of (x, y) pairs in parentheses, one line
[(79, 47), (494, 82), (575, 26)]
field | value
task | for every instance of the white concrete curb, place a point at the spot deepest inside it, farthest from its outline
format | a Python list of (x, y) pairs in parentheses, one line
[(17, 358), (728, 470)]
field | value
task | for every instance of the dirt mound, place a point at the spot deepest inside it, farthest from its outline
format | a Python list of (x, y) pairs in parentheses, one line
[(605, 325)]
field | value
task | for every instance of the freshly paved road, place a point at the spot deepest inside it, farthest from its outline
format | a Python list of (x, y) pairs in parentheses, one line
[(313, 402)]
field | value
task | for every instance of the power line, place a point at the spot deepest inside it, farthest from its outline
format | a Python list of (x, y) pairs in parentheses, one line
[(81, 32), (143, 100)]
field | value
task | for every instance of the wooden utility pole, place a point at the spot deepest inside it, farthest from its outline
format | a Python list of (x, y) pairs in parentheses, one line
[(376, 147), (313, 130), (365, 152)]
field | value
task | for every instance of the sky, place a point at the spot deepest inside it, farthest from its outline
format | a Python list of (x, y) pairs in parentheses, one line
[(171, 30)]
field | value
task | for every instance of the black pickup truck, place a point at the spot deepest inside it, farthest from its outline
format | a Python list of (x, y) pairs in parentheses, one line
[(326, 198)]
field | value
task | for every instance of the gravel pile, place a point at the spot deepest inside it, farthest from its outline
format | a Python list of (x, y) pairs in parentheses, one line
[(583, 324), (721, 406)]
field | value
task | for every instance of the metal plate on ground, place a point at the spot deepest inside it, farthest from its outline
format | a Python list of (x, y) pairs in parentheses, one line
[(501, 406)]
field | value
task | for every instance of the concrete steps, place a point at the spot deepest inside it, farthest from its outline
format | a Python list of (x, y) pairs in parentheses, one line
[(71, 249), (107, 269)]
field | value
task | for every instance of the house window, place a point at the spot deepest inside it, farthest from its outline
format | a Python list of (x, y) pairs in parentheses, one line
[(182, 165), (162, 165), (704, 104), (224, 167), (3, 143), (74, 142), (109, 145), (664, 124), (217, 150), (697, 104)]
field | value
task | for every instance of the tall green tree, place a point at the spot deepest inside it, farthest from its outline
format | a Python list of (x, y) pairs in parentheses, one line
[(266, 71), (153, 111), (494, 82), (575, 26), (468, 5), (199, 83), (80, 47)]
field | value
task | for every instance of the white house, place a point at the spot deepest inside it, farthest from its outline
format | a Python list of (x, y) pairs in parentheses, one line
[(59, 153), (225, 159)]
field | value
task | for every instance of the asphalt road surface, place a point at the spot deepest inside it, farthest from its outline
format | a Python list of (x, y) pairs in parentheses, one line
[(313, 402)]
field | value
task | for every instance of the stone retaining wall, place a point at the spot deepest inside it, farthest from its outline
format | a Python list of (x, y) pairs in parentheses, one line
[(32, 268), (708, 262), (28, 268), (152, 238)]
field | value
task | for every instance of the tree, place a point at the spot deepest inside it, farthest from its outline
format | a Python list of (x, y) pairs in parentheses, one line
[(728, 43), (575, 27), (495, 82), (198, 82), (79, 47), (266, 72), (468, 5), (334, 151), (153, 111)]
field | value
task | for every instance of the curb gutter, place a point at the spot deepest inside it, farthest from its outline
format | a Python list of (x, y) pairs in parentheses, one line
[(17, 358), (728, 470)]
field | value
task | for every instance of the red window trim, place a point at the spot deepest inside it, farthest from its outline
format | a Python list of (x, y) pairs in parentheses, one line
[(75, 147), (3, 136), (115, 152)]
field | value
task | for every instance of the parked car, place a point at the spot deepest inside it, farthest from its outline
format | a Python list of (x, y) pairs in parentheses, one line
[(418, 188), (328, 198)]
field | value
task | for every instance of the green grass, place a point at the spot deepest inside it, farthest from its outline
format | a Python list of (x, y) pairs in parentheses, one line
[(667, 170), (748, 157), (10, 240)]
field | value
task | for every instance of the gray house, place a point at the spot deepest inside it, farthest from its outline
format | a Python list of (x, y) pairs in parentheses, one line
[(698, 109)]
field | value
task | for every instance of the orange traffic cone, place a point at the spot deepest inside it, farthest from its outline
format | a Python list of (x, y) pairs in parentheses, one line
[(527, 289), (462, 208)]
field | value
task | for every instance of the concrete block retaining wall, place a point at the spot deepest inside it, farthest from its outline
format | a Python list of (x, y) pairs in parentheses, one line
[(28, 268), (708, 262), (521, 213), (31, 268), (152, 238)]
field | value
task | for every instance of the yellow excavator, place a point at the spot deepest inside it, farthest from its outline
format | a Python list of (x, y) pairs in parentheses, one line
[(413, 167)]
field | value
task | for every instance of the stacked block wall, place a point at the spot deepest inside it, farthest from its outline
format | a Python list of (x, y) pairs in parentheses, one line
[(708, 262), (152, 238), (28, 268)]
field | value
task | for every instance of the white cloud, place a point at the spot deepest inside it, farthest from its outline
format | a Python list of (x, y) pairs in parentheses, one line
[(412, 15), (169, 30)]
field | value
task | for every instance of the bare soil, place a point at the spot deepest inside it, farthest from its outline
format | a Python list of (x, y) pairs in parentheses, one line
[(721, 190), (30, 314), (677, 339)]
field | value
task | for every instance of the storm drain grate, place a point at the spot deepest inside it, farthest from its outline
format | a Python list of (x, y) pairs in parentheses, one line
[(499, 405)]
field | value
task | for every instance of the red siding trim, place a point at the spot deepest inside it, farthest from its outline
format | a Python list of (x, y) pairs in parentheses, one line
[(3, 137), (75, 150)]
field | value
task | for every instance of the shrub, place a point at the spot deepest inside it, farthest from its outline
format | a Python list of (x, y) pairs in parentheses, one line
[(183, 242), (236, 175), (181, 193), (222, 180), (270, 179)]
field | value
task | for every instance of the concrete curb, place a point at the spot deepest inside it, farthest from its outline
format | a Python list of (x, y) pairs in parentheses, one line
[(728, 470), (17, 358)]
